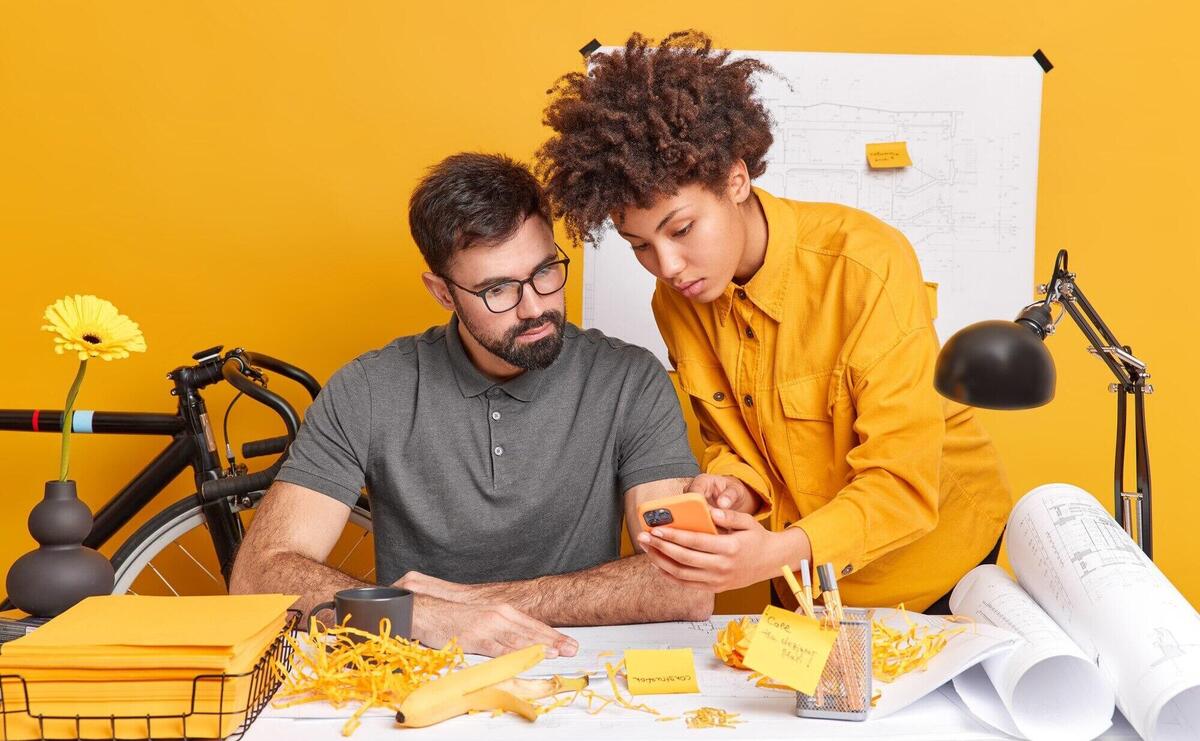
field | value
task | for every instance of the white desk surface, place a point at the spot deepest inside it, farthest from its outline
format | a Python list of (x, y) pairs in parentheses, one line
[(767, 714)]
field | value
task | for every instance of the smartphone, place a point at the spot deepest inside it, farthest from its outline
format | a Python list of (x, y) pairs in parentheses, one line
[(687, 511)]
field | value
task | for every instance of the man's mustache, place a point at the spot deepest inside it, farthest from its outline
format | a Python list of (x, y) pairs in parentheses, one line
[(526, 325)]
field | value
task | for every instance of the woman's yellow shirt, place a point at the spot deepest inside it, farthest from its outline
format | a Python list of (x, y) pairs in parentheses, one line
[(813, 384)]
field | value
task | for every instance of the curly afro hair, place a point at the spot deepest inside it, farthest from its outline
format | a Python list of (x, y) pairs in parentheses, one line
[(646, 120)]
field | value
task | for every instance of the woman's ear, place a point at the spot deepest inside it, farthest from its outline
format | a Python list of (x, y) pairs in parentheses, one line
[(739, 181), (438, 289)]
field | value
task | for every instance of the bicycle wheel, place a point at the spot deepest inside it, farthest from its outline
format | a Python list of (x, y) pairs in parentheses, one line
[(173, 554)]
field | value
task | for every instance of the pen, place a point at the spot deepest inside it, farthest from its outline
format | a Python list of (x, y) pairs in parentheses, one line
[(829, 590), (806, 578)]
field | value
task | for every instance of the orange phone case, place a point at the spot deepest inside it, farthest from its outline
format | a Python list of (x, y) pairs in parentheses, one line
[(687, 511)]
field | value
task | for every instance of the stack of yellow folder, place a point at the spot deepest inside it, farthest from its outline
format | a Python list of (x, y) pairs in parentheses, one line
[(139, 656)]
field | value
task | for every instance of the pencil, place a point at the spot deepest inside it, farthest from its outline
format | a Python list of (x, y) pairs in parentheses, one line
[(790, 578)]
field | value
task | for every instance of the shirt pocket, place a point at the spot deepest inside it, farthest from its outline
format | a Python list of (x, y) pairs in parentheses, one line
[(809, 434), (706, 383)]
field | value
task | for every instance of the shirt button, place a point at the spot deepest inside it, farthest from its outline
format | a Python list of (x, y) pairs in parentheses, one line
[(749, 333), (495, 415), (498, 450), (747, 400), (846, 571), (741, 293), (719, 396)]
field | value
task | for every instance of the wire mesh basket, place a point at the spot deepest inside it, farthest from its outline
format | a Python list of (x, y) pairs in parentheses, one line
[(844, 691), (222, 705)]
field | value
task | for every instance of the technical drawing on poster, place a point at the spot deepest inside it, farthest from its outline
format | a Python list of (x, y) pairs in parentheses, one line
[(967, 203)]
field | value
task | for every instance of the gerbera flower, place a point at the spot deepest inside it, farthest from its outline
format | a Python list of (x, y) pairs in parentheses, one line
[(93, 328)]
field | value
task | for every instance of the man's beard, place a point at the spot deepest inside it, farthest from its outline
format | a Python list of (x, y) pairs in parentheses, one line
[(526, 355)]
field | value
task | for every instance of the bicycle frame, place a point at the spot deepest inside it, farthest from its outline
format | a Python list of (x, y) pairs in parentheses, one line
[(192, 445)]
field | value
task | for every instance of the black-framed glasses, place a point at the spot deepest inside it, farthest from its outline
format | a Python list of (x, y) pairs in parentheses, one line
[(507, 294)]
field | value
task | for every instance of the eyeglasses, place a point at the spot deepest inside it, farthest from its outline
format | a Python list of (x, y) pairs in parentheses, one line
[(506, 295)]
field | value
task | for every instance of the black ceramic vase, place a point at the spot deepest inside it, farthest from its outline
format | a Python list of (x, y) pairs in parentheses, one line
[(47, 581)]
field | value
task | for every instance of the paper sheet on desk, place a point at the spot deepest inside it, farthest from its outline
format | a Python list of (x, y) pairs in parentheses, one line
[(597, 646), (973, 644), (719, 683), (768, 715)]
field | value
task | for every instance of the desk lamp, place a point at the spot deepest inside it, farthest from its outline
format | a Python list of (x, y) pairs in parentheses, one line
[(1005, 365)]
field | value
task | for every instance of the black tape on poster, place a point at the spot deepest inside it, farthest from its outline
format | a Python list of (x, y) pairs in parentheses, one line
[(590, 47), (1040, 56)]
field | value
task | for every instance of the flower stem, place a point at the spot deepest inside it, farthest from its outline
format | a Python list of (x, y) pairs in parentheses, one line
[(67, 422)]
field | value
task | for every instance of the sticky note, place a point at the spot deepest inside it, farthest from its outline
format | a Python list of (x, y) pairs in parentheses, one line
[(660, 671), (888, 154), (790, 649)]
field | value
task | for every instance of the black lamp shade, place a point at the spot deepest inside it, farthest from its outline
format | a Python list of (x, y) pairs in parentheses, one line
[(996, 365)]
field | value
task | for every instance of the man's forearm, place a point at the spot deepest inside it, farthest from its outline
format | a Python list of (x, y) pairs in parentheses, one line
[(291, 573), (628, 590)]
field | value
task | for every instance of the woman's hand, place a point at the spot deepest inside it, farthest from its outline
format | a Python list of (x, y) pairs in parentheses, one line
[(726, 492), (746, 553)]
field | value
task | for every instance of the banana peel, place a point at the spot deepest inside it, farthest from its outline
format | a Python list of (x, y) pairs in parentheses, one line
[(491, 685), (537, 689)]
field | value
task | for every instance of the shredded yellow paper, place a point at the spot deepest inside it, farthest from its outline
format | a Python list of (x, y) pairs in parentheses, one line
[(613, 670), (895, 653), (711, 718), (731, 645), (733, 641), (380, 670)]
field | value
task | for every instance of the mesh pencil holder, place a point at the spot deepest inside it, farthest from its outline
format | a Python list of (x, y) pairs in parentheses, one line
[(844, 692)]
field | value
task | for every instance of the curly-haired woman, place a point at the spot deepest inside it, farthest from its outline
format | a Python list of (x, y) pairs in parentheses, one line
[(802, 333)]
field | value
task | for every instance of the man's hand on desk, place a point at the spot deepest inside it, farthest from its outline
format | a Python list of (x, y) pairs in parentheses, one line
[(488, 629), (415, 581)]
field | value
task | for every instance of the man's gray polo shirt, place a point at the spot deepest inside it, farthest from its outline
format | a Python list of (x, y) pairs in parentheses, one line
[(474, 481)]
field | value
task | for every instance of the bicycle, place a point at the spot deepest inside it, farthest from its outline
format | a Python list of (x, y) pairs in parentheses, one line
[(226, 493)]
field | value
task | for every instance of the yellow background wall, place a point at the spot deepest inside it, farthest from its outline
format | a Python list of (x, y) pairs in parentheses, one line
[(238, 173)]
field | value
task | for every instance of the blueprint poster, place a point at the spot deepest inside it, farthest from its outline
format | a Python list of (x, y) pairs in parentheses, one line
[(967, 203)]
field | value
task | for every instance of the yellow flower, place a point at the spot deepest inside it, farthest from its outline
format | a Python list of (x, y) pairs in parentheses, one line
[(92, 327)]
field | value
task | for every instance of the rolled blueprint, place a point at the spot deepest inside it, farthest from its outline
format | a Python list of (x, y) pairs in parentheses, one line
[(1075, 561), (1045, 687)]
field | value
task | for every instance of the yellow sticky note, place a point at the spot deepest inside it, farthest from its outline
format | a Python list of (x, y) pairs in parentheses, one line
[(660, 671), (888, 154), (790, 649)]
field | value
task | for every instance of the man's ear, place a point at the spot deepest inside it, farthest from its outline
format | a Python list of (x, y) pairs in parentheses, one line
[(438, 289), (739, 181)]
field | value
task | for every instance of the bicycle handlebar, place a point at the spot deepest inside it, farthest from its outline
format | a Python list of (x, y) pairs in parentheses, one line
[(236, 369), (218, 489), (299, 375), (269, 446)]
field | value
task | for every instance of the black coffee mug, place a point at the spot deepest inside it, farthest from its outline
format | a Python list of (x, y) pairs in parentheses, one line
[(366, 606)]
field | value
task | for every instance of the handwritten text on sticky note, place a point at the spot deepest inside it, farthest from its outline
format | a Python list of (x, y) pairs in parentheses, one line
[(791, 649), (888, 154), (660, 671)]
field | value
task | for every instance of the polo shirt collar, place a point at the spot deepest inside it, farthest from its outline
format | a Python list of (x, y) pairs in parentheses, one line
[(767, 288), (473, 383)]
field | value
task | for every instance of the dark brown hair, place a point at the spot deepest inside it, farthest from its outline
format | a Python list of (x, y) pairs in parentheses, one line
[(646, 120), (471, 199)]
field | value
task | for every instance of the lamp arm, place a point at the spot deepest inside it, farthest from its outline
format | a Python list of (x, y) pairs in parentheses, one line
[(1063, 290), (1104, 345), (1131, 508)]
